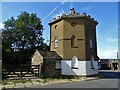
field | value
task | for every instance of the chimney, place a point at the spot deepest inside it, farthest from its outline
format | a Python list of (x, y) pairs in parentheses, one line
[(72, 11)]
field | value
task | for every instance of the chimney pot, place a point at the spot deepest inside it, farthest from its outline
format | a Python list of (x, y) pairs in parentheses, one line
[(72, 11)]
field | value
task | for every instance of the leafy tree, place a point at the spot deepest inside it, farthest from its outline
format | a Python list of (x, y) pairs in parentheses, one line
[(21, 34), (24, 32), (43, 47)]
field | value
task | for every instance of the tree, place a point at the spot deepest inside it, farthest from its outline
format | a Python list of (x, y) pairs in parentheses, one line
[(23, 33), (43, 47)]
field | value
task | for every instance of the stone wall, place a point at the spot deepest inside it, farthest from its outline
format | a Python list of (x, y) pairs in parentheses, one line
[(49, 69), (37, 58)]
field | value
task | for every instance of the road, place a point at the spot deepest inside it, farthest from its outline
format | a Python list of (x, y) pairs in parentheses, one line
[(101, 83), (111, 80)]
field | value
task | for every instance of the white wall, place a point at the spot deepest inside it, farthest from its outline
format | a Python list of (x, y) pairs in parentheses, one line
[(90, 71), (84, 68)]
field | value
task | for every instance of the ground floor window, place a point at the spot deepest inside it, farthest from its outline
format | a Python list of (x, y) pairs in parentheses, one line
[(92, 61), (58, 64), (74, 63)]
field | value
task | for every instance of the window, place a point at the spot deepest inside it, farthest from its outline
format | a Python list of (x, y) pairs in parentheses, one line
[(91, 44), (74, 63), (56, 43), (92, 61), (73, 41), (73, 24), (55, 27), (58, 65)]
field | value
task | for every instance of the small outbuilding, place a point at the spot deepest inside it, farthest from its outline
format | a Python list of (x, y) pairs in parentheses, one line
[(110, 64), (49, 61)]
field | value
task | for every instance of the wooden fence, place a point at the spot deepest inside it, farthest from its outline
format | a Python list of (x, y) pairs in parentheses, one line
[(20, 70)]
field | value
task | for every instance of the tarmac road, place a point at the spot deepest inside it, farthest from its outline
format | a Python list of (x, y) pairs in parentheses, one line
[(100, 83), (111, 80)]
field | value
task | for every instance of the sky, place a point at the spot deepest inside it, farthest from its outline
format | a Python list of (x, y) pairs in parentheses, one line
[(106, 13)]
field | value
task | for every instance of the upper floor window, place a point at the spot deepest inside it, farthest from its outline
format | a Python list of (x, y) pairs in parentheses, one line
[(91, 44), (55, 27), (73, 41), (73, 24), (56, 42)]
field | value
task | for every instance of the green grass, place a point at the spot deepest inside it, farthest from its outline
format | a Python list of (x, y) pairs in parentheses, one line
[(38, 81), (4, 82), (43, 81), (3, 88), (23, 81), (30, 81), (14, 82)]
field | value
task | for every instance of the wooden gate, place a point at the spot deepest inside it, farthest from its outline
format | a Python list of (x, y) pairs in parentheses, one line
[(20, 70)]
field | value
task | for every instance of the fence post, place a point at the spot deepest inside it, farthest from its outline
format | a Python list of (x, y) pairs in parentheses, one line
[(21, 71), (39, 71)]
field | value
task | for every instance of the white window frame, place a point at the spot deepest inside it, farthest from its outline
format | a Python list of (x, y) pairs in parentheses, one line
[(74, 63), (58, 64), (56, 42)]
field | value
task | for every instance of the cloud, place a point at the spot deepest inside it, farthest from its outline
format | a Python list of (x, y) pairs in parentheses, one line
[(107, 54), (58, 14), (1, 26), (111, 39), (51, 12), (62, 3), (87, 8)]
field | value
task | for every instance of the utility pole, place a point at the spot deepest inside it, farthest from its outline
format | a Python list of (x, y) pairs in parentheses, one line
[(117, 55)]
